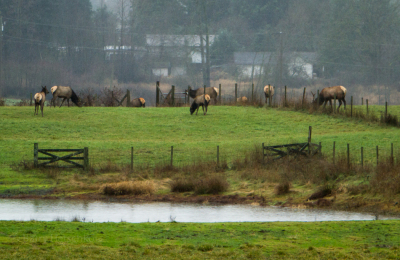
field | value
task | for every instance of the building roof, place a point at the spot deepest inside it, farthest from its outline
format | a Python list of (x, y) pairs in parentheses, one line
[(265, 58), (156, 40)]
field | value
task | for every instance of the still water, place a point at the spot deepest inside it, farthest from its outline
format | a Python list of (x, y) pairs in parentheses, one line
[(97, 211)]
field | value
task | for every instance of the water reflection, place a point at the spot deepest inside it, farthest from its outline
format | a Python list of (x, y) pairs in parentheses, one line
[(49, 210)]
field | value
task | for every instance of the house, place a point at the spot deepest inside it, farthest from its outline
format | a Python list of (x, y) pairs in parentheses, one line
[(297, 64)]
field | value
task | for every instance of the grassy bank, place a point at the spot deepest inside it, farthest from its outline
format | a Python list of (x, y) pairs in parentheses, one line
[(291, 240)]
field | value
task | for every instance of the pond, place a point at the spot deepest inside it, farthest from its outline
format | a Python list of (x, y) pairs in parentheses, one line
[(98, 211)]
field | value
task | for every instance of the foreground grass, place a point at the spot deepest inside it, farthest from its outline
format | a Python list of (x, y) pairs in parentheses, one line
[(291, 240)]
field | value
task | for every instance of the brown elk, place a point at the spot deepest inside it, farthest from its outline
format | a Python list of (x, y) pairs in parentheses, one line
[(211, 91), (329, 93), (138, 102), (40, 98), (268, 89), (200, 101)]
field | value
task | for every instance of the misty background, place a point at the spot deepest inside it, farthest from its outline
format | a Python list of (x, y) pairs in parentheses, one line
[(131, 44)]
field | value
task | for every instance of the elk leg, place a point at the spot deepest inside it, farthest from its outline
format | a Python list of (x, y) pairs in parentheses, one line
[(206, 110), (68, 101), (330, 102), (325, 103), (62, 102), (340, 103)]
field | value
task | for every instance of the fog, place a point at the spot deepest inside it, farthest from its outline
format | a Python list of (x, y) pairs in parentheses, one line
[(93, 45)]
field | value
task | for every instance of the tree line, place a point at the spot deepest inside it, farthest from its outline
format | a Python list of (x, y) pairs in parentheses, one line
[(61, 41)]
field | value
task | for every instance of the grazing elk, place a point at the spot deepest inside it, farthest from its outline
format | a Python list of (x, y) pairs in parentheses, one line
[(212, 92), (242, 100), (138, 102), (267, 90), (40, 98), (200, 101), (329, 93), (67, 93)]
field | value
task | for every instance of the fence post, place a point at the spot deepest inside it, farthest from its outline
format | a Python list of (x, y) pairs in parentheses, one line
[(334, 103), (334, 147), (217, 155), (236, 94), (252, 93), (35, 154), (348, 156), (391, 154), (386, 105), (112, 98), (366, 101), (263, 150), (304, 94), (351, 106), (269, 95), (86, 158), (285, 97), (220, 93), (317, 98), (377, 156), (362, 157), (173, 95), (362, 101), (172, 155), (157, 93), (131, 158), (309, 139), (128, 98)]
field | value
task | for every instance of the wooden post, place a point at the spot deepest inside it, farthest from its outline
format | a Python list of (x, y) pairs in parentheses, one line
[(269, 95), (362, 157), (366, 101), (86, 159), (334, 103), (217, 155), (285, 97), (386, 114), (131, 159), (362, 101), (304, 94), (35, 154), (263, 150), (334, 147), (157, 93), (172, 155), (351, 106), (377, 156), (391, 154), (236, 94), (317, 98), (252, 93), (173, 95), (112, 98), (188, 97), (309, 139), (220, 94), (348, 156), (128, 98)]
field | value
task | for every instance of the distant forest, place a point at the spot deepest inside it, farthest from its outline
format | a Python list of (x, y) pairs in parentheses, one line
[(46, 42)]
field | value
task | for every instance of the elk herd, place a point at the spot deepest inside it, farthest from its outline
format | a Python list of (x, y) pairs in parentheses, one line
[(201, 97)]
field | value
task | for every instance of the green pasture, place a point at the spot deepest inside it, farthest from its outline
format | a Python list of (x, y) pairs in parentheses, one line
[(276, 240), (111, 132)]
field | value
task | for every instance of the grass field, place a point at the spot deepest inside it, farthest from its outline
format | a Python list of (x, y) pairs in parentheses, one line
[(110, 132), (278, 240)]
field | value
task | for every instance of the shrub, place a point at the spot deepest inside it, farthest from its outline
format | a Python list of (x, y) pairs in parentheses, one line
[(182, 185), (211, 185), (128, 188), (282, 188)]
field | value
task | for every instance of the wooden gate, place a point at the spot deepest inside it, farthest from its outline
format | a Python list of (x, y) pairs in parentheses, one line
[(278, 151), (65, 158)]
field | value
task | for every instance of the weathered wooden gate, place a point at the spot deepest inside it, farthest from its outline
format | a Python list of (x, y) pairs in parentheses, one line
[(48, 161), (171, 98), (278, 151)]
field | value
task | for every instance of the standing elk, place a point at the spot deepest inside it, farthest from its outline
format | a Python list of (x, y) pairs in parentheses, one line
[(200, 101), (211, 91), (242, 100), (329, 93), (67, 93), (267, 90), (40, 98), (138, 102)]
